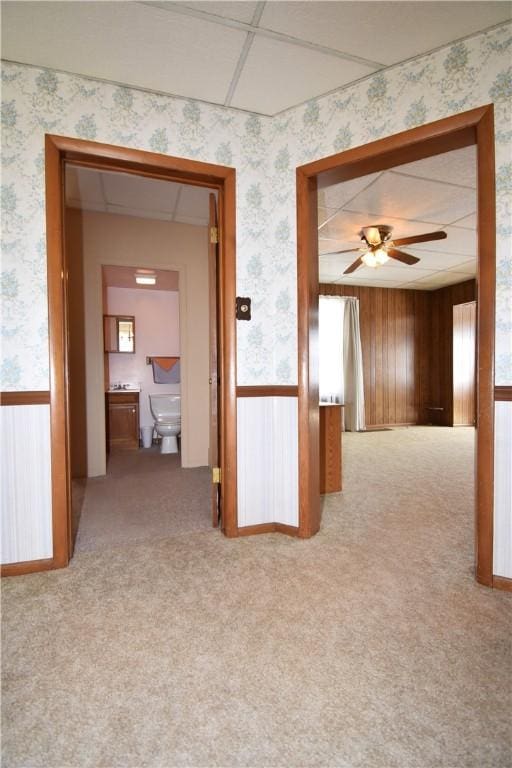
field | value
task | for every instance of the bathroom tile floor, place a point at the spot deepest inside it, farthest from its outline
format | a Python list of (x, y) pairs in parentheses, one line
[(145, 495)]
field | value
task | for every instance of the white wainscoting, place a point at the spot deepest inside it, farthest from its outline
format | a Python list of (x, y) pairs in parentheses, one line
[(502, 563), (267, 451), (26, 516)]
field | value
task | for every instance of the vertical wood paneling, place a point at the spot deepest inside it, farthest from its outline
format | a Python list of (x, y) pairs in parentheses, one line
[(267, 460), (406, 338), (442, 303), (379, 362), (502, 561), (395, 348), (25, 480)]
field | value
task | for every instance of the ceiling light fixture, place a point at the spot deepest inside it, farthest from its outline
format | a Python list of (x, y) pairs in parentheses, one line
[(145, 277), (375, 258)]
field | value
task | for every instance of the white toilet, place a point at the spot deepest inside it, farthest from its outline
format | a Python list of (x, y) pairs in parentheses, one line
[(166, 410)]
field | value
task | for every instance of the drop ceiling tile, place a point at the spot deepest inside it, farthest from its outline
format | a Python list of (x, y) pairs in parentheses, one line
[(459, 241), (328, 246), (383, 31), (439, 280), (324, 214), (239, 11), (335, 265), (83, 186), (343, 228), (123, 189), (279, 75), (339, 195), (398, 274), (466, 267), (455, 167), (126, 42), (468, 222), (193, 202), (139, 213), (436, 260), (363, 281), (409, 198), (346, 225)]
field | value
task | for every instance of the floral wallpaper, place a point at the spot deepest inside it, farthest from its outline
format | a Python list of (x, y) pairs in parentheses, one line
[(265, 153), (455, 79)]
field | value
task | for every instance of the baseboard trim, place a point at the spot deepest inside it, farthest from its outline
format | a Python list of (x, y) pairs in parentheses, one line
[(27, 566), (251, 530), (502, 582)]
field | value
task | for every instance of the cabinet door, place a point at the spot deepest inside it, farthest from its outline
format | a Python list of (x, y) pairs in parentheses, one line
[(124, 425)]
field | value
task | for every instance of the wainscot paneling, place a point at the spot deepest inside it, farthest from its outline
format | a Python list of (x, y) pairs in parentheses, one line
[(267, 461), (26, 488), (503, 490), (395, 342)]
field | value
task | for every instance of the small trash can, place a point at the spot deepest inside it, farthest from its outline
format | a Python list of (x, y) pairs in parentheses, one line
[(147, 436)]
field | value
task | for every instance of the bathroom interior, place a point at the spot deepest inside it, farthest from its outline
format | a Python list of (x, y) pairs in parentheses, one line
[(141, 358), (138, 329)]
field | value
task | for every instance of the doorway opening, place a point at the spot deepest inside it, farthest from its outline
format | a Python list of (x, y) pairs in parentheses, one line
[(177, 363), (458, 132)]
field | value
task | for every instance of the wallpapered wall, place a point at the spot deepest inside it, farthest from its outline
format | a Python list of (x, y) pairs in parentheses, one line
[(265, 152)]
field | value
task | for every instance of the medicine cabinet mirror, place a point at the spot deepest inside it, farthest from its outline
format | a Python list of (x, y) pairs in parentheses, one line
[(119, 333)]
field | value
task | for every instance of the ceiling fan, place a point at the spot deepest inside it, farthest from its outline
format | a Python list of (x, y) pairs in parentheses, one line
[(379, 247)]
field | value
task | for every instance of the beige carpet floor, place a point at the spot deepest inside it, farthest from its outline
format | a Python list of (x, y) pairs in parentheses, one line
[(144, 496), (369, 646)]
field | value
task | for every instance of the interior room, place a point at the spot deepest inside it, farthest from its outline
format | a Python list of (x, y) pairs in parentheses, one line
[(402, 371), (349, 607), (126, 388)]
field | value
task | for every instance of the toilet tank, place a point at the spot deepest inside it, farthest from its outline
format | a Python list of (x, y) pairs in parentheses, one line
[(165, 407)]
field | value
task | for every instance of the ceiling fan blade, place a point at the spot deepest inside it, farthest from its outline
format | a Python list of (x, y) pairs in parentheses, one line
[(406, 258), (372, 235), (420, 238), (355, 264)]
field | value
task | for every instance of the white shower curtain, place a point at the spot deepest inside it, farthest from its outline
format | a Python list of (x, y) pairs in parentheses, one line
[(341, 359)]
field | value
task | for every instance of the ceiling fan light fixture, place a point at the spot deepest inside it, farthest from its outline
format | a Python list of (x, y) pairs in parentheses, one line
[(369, 259), (375, 258), (381, 256)]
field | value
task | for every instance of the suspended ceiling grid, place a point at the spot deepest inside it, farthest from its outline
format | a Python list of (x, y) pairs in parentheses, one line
[(258, 56)]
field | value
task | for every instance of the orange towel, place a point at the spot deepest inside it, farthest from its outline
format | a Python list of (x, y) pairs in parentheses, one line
[(166, 362)]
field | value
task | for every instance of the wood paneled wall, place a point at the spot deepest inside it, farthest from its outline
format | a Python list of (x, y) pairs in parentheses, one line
[(441, 348), (394, 335), (406, 338)]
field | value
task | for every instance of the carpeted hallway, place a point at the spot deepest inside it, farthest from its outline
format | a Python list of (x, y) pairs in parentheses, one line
[(369, 645), (144, 496)]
